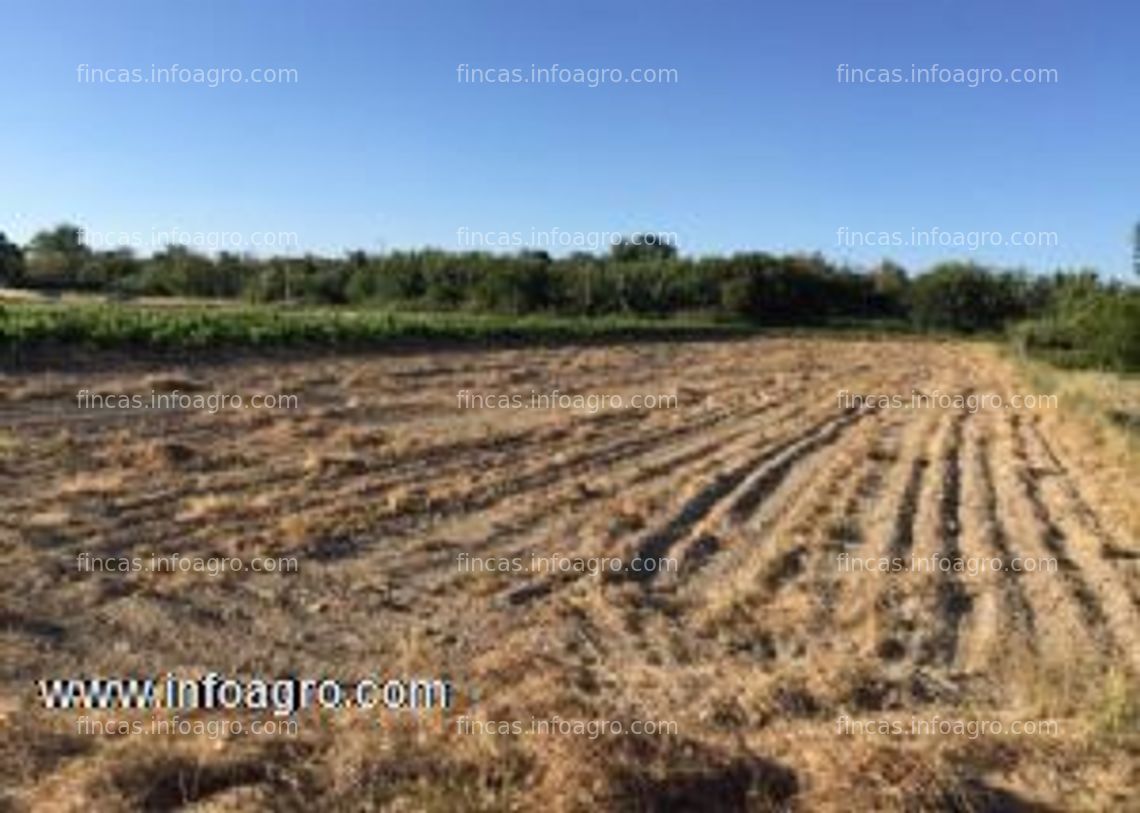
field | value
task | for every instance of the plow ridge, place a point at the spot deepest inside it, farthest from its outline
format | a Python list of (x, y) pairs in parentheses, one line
[(749, 482)]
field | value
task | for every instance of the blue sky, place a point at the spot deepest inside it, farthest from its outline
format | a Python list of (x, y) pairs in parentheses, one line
[(757, 145)]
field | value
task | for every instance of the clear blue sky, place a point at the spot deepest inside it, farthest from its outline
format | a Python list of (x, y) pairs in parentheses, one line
[(756, 146)]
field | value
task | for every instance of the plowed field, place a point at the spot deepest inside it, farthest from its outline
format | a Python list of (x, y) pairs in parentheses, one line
[(766, 662)]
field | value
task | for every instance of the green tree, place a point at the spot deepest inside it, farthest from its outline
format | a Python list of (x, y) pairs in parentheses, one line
[(179, 271), (646, 246), (56, 257), (889, 284), (113, 271), (963, 296), (11, 262)]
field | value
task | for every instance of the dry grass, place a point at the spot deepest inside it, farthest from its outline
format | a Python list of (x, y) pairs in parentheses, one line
[(754, 650)]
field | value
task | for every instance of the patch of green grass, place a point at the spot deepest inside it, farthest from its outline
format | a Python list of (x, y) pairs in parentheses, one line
[(124, 325), (193, 326)]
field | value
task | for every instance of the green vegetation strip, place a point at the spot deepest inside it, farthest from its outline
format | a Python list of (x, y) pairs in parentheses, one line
[(113, 325)]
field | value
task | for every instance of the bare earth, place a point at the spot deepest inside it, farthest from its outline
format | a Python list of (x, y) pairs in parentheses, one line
[(756, 647)]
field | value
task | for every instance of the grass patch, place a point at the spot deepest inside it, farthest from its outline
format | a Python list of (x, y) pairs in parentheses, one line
[(26, 325), (122, 325)]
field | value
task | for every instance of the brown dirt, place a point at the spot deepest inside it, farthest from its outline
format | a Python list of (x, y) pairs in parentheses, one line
[(756, 647)]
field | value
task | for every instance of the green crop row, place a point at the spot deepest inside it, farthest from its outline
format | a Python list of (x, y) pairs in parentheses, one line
[(132, 325)]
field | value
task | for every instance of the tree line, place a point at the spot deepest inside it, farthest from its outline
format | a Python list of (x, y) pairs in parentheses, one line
[(1074, 316)]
